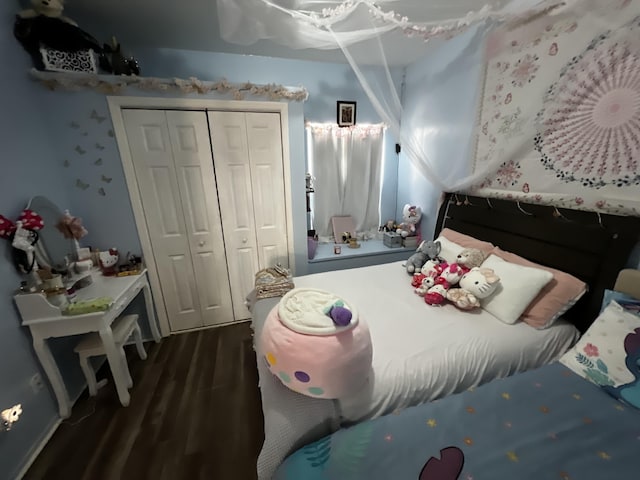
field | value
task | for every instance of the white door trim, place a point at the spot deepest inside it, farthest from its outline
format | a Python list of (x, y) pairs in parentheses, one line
[(116, 104)]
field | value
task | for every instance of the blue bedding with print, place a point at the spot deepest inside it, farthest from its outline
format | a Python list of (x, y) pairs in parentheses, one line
[(543, 424)]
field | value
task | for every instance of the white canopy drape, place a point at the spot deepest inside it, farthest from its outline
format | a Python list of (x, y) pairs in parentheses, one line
[(374, 38)]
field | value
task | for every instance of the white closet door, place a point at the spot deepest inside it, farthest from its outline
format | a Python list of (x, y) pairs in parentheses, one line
[(191, 146), (152, 155), (267, 179), (233, 171), (171, 152)]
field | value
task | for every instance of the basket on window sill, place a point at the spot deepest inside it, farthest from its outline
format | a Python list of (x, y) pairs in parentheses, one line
[(60, 61)]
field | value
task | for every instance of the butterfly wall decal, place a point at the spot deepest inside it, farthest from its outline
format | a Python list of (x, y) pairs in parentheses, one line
[(94, 116), (80, 150), (81, 185), (74, 125), (105, 179), (98, 162), (99, 146), (101, 191)]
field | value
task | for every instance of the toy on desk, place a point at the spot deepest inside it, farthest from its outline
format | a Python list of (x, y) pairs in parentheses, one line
[(132, 267), (93, 305), (23, 235), (109, 261)]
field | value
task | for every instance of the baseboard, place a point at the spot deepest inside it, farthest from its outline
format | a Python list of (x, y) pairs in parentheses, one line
[(37, 448)]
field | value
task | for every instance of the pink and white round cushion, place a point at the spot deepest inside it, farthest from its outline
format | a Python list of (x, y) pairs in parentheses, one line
[(309, 351)]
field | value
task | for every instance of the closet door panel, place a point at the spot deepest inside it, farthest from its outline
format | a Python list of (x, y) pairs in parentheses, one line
[(235, 194), (264, 139), (191, 147), (150, 147)]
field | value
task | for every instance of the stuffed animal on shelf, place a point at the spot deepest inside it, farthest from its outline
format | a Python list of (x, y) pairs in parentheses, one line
[(44, 26), (427, 250), (46, 8), (411, 216), (390, 226), (474, 285)]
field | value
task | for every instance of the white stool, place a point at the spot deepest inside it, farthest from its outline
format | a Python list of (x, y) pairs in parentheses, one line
[(91, 346)]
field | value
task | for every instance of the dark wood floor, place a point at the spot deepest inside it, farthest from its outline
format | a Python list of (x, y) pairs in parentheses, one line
[(195, 413)]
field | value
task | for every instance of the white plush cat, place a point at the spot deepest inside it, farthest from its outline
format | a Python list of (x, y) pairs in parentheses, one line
[(477, 283)]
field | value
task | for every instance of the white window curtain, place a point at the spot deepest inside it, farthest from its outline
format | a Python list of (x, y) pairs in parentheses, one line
[(346, 164)]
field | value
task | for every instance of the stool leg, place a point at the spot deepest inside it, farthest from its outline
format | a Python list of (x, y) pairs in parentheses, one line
[(138, 337), (125, 367), (89, 374)]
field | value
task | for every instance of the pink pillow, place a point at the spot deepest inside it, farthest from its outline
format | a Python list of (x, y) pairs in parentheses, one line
[(560, 294), (466, 241)]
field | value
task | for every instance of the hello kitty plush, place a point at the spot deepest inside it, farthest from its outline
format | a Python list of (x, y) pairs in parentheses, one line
[(109, 261), (433, 266), (476, 284), (411, 216), (449, 277)]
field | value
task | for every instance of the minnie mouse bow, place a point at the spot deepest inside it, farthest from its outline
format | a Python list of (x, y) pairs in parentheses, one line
[(30, 220)]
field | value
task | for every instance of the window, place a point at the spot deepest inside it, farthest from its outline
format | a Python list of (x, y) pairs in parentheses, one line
[(347, 166)]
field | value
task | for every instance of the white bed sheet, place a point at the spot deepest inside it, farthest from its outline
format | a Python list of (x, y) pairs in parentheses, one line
[(421, 352)]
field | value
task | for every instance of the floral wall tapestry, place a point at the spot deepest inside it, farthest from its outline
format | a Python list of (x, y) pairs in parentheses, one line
[(561, 108)]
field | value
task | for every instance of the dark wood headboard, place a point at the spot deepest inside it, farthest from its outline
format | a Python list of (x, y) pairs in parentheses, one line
[(592, 248)]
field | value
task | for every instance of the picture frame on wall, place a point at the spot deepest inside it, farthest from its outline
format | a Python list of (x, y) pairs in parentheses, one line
[(346, 113)]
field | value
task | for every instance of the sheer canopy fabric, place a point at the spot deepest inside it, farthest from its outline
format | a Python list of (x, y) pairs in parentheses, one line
[(375, 38)]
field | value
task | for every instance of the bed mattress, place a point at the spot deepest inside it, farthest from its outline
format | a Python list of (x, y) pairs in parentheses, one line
[(420, 353), (423, 352)]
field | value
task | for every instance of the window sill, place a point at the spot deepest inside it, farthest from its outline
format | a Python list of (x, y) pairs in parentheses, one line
[(324, 252)]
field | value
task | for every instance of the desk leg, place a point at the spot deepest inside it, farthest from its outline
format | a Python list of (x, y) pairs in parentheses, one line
[(148, 301), (53, 373), (115, 363)]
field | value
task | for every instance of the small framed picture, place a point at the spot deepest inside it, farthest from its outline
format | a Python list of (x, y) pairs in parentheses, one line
[(346, 113)]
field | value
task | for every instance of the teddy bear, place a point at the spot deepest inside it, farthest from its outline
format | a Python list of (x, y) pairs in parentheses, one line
[(411, 215), (471, 257), (427, 250), (474, 285)]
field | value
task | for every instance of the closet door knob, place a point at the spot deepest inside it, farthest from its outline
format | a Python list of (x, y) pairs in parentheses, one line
[(201, 243), (244, 240)]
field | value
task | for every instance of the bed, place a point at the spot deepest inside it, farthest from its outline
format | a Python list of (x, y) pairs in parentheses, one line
[(557, 421), (420, 354)]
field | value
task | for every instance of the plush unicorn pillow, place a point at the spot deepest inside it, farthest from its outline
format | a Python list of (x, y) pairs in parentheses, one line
[(608, 354)]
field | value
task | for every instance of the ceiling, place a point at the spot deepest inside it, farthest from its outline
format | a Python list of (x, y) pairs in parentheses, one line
[(193, 24)]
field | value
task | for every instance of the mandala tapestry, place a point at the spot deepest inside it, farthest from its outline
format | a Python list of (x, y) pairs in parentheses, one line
[(561, 109)]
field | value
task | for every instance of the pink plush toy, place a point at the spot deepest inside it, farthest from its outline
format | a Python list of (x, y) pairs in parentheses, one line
[(450, 276)]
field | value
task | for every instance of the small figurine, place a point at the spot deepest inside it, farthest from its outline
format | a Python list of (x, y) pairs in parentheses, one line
[(109, 261)]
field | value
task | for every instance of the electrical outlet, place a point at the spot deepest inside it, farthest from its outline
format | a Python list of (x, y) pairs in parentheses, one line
[(36, 383)]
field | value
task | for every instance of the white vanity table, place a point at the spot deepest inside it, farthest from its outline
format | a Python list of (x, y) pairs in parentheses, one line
[(46, 321)]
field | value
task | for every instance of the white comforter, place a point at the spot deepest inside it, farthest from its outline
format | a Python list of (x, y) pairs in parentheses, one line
[(420, 353)]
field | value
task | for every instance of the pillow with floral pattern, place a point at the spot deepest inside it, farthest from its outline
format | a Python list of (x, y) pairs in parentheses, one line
[(608, 354)]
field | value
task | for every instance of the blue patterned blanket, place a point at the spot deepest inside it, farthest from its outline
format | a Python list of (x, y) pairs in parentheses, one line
[(543, 424)]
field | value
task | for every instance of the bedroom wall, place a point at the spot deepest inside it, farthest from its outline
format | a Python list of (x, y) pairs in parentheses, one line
[(449, 80), (29, 169)]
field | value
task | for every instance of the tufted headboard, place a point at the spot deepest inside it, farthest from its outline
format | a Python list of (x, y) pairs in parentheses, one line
[(592, 247)]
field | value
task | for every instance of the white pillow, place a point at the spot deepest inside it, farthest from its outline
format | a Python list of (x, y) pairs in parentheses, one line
[(450, 250), (600, 354), (519, 285)]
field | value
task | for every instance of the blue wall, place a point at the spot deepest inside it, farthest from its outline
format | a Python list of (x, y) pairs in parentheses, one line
[(448, 80), (29, 169)]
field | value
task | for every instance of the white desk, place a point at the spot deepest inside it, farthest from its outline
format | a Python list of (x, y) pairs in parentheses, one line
[(46, 321)]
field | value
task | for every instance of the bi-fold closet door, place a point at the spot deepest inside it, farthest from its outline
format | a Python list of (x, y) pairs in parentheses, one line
[(211, 227)]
